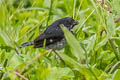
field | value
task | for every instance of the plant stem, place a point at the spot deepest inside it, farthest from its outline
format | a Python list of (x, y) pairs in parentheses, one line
[(49, 12), (74, 4), (59, 56), (4, 65), (114, 49), (82, 45)]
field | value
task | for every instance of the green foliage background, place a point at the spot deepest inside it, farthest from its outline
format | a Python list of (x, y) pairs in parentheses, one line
[(93, 53)]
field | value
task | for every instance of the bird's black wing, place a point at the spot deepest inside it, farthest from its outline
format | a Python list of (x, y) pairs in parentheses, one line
[(52, 34)]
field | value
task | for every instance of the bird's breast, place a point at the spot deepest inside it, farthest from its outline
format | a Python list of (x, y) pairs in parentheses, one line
[(57, 45)]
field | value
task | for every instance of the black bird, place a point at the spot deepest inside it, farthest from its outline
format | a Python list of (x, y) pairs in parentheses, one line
[(53, 35)]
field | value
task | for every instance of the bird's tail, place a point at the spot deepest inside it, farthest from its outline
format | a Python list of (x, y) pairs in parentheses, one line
[(26, 44)]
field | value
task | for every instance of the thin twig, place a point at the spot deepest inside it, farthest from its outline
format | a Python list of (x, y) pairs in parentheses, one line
[(16, 51), (102, 2), (59, 56), (34, 59), (18, 74), (117, 20)]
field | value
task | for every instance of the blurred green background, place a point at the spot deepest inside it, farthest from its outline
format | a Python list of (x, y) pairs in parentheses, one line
[(92, 53)]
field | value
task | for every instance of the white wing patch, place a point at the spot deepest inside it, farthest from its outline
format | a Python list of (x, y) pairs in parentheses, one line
[(51, 40)]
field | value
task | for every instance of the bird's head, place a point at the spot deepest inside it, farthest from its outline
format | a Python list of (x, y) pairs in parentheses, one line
[(68, 22)]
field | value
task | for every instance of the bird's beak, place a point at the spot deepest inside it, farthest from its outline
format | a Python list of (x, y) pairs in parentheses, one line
[(75, 22)]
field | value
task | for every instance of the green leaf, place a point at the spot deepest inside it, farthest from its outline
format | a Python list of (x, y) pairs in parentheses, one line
[(24, 30), (91, 43), (60, 74), (110, 25), (74, 44), (5, 37), (15, 61), (83, 69), (116, 5), (116, 75), (102, 43)]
